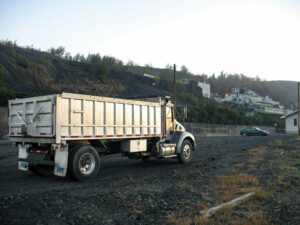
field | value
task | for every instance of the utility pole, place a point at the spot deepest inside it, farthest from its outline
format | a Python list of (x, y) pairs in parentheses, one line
[(298, 108), (174, 83)]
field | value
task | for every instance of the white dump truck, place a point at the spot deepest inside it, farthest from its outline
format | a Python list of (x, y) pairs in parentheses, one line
[(69, 133)]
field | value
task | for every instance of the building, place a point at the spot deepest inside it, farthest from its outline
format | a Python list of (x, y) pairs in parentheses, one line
[(291, 122), (205, 89), (149, 75), (251, 100)]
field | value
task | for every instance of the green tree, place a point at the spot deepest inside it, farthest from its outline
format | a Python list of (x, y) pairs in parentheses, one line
[(99, 67), (60, 51), (5, 94)]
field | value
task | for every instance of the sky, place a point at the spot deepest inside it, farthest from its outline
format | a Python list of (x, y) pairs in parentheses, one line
[(253, 37)]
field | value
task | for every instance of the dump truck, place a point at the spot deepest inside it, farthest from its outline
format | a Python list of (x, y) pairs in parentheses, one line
[(68, 134)]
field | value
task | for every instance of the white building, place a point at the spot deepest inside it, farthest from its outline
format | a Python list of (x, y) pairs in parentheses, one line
[(205, 89), (149, 75), (259, 103), (291, 122)]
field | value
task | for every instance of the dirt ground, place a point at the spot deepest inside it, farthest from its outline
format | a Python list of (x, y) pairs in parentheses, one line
[(163, 191)]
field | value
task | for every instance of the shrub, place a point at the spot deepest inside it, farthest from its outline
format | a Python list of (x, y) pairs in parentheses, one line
[(1, 77), (5, 95), (42, 59), (22, 61), (287, 169)]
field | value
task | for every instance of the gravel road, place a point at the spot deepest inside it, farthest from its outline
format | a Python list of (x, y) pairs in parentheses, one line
[(125, 192)]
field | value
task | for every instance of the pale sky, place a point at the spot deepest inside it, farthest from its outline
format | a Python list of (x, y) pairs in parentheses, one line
[(208, 36)]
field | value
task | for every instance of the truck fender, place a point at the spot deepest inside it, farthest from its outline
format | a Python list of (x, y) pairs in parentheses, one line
[(180, 136), (23, 155)]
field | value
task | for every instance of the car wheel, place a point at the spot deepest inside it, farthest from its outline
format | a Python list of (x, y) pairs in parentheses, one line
[(244, 134)]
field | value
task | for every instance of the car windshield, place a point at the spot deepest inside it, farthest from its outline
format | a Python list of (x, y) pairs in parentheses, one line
[(257, 128)]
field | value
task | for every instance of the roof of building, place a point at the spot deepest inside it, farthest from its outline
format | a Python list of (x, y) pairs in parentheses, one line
[(290, 114)]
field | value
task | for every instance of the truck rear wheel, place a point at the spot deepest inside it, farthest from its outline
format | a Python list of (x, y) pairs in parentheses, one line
[(186, 152), (84, 163)]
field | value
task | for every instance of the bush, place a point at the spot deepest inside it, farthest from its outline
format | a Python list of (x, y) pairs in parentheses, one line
[(5, 95), (42, 59), (13, 52), (1, 77), (22, 61)]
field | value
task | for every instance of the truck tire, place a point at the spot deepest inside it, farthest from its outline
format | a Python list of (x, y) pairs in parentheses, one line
[(42, 170), (186, 152), (84, 163)]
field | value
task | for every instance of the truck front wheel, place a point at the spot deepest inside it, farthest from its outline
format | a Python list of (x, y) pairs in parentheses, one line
[(84, 163), (186, 152)]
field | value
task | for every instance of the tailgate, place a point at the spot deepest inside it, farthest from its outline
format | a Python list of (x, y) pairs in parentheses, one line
[(32, 116)]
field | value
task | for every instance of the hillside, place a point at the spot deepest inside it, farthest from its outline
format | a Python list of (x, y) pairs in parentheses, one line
[(283, 91), (30, 72)]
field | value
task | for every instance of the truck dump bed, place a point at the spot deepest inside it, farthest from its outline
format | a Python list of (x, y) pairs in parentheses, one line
[(73, 116)]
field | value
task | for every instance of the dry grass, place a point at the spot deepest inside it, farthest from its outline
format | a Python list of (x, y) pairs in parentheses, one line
[(257, 151), (260, 195), (226, 215), (239, 179), (253, 218), (235, 185), (256, 155), (186, 185), (238, 165)]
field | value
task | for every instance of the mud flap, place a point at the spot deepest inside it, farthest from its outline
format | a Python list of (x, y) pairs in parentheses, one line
[(61, 162), (23, 155)]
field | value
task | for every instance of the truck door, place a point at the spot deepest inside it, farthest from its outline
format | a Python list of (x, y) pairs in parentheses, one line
[(169, 122)]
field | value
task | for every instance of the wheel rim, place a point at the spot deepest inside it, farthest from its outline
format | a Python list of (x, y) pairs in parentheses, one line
[(186, 151), (87, 163)]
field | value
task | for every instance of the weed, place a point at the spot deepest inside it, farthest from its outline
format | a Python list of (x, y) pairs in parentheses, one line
[(278, 143), (297, 175), (297, 163), (288, 169)]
